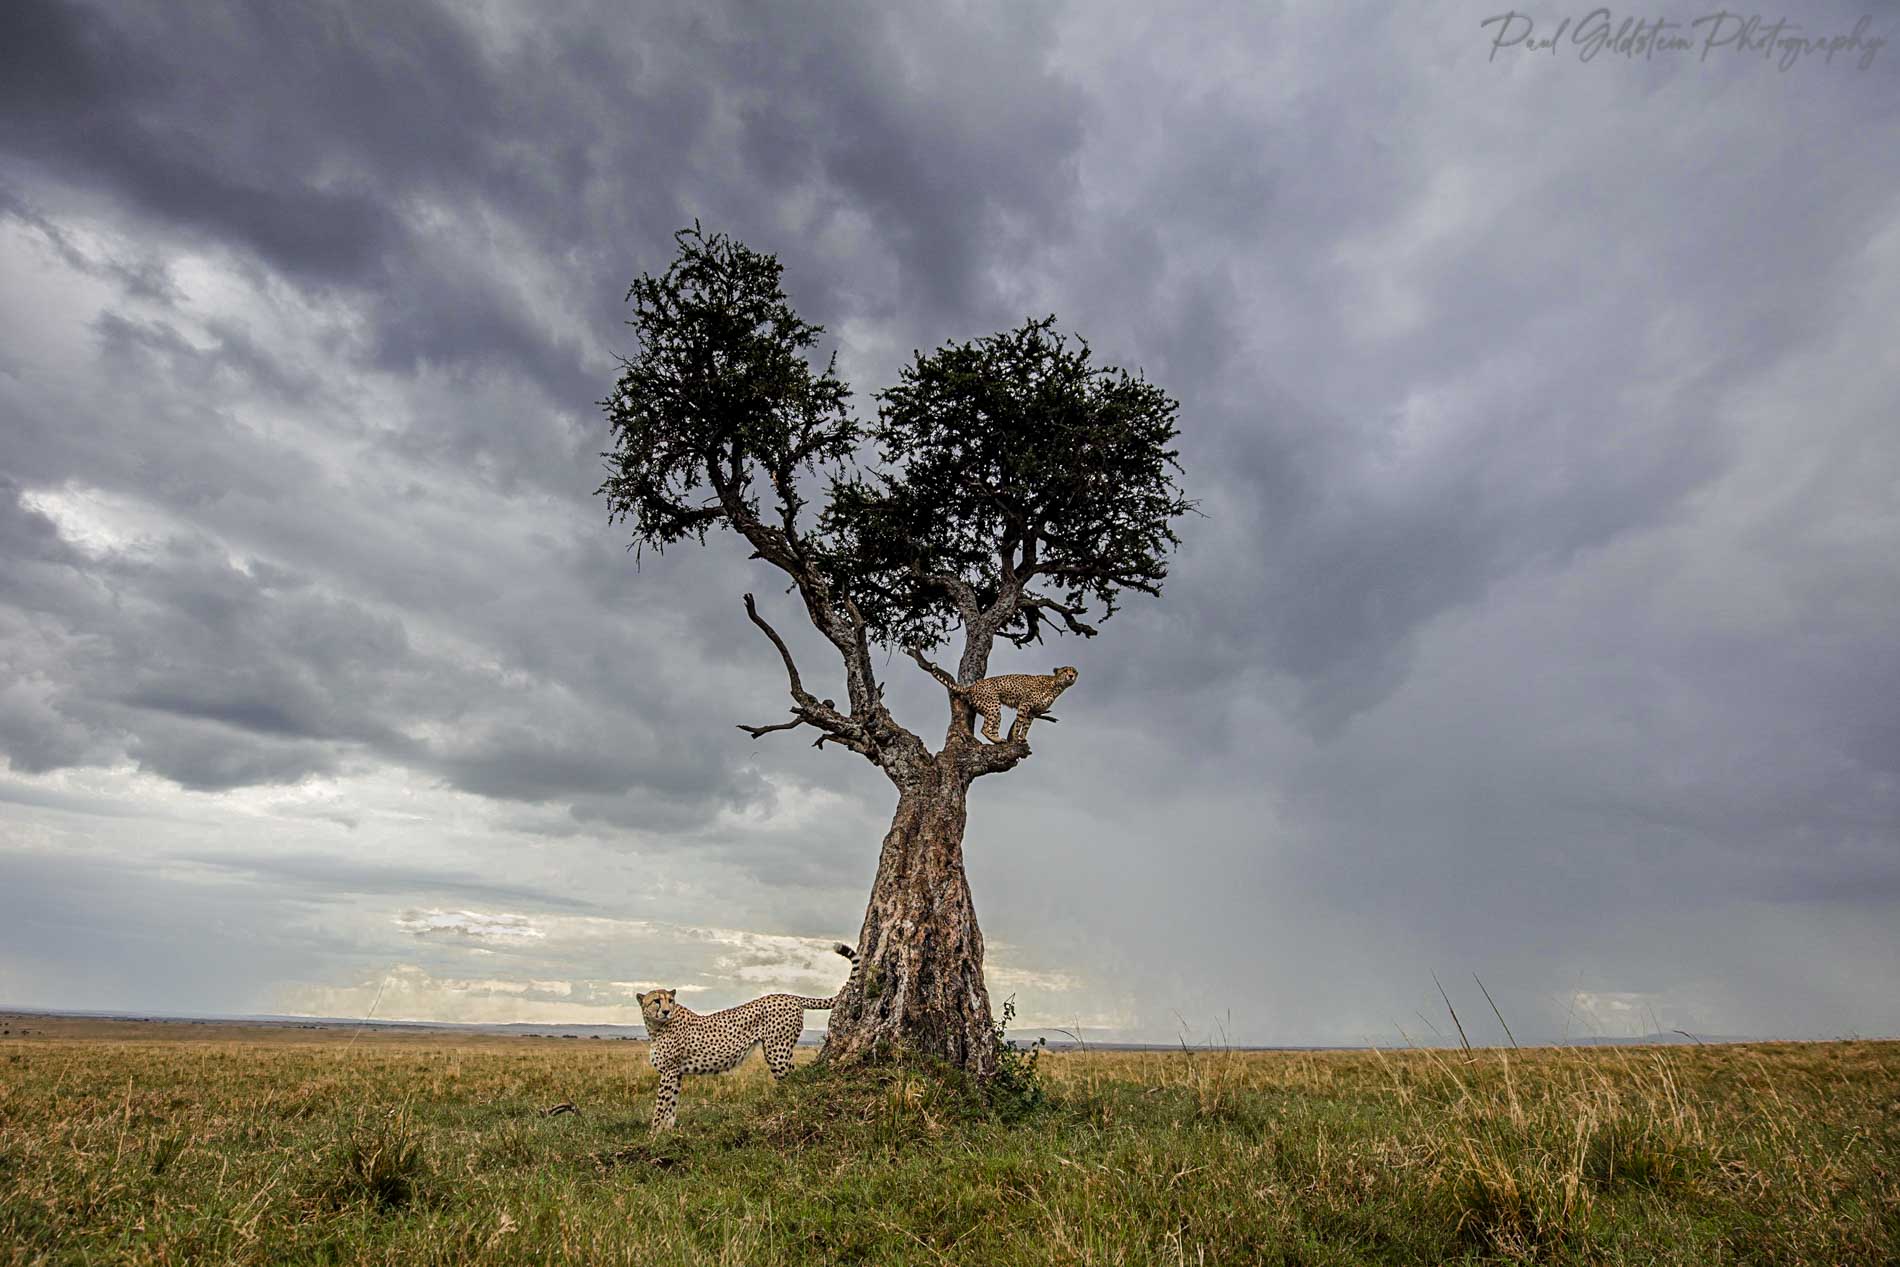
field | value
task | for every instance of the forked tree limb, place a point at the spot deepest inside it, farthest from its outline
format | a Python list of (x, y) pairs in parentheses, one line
[(808, 709), (757, 731)]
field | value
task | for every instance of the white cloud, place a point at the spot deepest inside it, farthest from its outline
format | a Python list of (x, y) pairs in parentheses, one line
[(99, 522), (410, 992), (472, 925)]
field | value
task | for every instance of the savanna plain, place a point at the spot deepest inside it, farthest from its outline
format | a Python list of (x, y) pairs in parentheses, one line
[(173, 1143)]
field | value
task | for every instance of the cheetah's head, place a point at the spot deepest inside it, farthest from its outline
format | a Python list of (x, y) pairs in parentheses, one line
[(1065, 677), (657, 1006)]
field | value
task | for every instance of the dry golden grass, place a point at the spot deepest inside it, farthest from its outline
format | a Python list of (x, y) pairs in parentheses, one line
[(163, 1143)]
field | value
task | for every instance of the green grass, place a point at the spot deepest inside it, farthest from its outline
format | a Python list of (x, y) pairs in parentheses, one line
[(408, 1149)]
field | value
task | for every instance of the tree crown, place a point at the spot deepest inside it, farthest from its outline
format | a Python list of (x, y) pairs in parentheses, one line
[(1005, 485), (1004, 461), (718, 392)]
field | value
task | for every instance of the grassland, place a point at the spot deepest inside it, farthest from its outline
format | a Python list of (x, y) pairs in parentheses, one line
[(125, 1143)]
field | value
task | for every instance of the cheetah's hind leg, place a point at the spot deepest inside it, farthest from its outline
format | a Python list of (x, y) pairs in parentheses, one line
[(992, 725)]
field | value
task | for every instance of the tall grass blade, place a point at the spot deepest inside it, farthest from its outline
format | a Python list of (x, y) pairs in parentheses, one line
[(1454, 1015), (1494, 1011)]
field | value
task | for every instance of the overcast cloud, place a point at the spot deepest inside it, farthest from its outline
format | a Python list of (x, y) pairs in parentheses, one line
[(1544, 620)]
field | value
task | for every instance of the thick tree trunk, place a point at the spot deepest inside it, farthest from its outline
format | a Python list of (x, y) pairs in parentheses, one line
[(920, 991)]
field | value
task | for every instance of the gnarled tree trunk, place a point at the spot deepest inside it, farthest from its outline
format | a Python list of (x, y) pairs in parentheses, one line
[(920, 990)]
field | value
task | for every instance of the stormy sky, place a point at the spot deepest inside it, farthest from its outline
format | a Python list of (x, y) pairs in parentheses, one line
[(1542, 621)]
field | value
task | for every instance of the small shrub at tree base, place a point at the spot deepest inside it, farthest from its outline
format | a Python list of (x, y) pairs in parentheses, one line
[(1014, 1090)]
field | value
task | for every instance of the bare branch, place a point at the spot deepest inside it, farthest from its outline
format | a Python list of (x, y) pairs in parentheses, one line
[(844, 629), (808, 709), (756, 731), (791, 670), (847, 736)]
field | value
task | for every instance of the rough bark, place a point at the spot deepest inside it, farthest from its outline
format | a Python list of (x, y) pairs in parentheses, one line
[(920, 991)]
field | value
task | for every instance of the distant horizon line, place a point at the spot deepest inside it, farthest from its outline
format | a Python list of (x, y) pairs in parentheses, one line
[(1061, 1039)]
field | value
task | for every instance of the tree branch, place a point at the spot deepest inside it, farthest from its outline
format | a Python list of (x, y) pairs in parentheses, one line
[(993, 758), (955, 586), (808, 709), (653, 511), (845, 741), (791, 670), (843, 629), (756, 731), (1076, 572), (1032, 604)]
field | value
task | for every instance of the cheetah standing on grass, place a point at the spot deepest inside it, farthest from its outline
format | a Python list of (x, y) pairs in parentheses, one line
[(685, 1042)]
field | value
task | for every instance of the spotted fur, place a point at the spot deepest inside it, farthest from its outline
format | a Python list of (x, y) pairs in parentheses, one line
[(683, 1041), (1030, 694)]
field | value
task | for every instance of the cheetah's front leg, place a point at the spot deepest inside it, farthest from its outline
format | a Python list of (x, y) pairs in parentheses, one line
[(1019, 729), (666, 1099)]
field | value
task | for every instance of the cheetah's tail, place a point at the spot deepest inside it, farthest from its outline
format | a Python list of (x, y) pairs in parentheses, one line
[(857, 965)]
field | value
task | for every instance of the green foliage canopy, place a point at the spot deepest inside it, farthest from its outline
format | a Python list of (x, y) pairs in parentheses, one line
[(1015, 481), (1007, 461), (719, 392)]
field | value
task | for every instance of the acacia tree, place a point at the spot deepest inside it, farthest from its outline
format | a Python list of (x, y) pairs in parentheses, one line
[(1008, 487)]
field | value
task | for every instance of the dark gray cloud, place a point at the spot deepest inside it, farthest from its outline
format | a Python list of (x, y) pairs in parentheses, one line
[(1539, 621), (142, 112)]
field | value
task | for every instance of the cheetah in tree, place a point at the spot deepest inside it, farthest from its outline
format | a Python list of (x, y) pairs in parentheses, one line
[(683, 1041), (1030, 694)]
